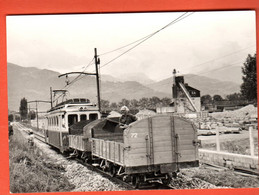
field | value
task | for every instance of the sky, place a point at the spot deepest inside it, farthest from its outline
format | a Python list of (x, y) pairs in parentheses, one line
[(198, 43)]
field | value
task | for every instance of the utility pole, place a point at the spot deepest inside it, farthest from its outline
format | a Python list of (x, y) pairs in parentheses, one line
[(36, 101), (51, 100), (174, 90), (97, 61)]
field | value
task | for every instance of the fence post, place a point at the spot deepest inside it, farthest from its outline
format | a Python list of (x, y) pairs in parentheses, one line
[(217, 139), (251, 139)]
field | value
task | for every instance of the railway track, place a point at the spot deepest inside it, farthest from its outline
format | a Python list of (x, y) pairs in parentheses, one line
[(119, 180), (237, 170), (39, 137)]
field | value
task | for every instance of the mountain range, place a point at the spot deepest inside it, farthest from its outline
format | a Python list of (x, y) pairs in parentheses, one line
[(34, 84)]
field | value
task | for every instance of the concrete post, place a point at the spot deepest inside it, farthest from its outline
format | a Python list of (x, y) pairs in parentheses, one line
[(217, 139), (251, 139)]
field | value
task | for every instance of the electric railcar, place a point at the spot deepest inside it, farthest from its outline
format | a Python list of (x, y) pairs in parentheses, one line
[(62, 116)]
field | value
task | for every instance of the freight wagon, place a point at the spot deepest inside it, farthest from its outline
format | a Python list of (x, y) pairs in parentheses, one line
[(149, 149)]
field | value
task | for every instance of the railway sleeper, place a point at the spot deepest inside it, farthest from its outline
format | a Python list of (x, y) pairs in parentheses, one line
[(137, 180), (142, 180)]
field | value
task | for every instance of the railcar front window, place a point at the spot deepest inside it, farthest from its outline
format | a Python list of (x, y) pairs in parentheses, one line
[(72, 119), (93, 117), (83, 117)]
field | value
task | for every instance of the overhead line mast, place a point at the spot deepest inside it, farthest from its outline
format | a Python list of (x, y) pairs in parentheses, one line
[(37, 101), (97, 62)]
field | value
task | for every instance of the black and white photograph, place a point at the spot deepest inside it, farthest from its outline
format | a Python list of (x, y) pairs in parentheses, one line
[(132, 101)]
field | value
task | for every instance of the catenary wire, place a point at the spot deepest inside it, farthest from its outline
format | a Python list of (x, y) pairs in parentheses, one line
[(148, 37), (74, 80), (142, 37), (162, 84), (141, 41)]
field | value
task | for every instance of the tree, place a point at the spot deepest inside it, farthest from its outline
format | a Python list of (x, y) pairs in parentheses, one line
[(32, 115), (134, 103), (143, 103), (234, 97), (217, 98), (114, 106), (17, 117), (153, 102), (23, 109), (10, 117), (124, 102), (166, 101), (105, 104), (249, 85), (206, 99)]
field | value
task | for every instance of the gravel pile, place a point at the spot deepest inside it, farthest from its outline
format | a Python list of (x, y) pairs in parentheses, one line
[(87, 180), (240, 114), (186, 182)]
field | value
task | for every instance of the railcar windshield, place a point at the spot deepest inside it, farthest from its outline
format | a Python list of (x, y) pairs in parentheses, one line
[(83, 117), (72, 119), (93, 116)]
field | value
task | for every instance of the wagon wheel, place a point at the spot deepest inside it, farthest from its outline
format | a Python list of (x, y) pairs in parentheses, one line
[(166, 181), (168, 178), (112, 170), (135, 181)]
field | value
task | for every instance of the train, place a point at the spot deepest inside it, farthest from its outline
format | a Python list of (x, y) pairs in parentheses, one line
[(149, 149)]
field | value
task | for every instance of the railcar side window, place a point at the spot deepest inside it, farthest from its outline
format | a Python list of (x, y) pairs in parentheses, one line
[(63, 121), (93, 117), (72, 119), (83, 117), (57, 121)]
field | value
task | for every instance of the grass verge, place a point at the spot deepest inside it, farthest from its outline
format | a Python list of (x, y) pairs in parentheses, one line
[(32, 171), (240, 146)]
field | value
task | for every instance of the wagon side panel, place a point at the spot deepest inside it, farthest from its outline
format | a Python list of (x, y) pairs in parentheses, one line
[(187, 137), (149, 142), (108, 150), (158, 140), (135, 144), (78, 142)]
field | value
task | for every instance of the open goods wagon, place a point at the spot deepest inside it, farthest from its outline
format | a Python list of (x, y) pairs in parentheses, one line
[(80, 134), (154, 147)]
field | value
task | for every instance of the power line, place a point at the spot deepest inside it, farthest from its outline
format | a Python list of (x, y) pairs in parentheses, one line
[(146, 38), (141, 41), (74, 80), (218, 59), (193, 75), (141, 38), (224, 56)]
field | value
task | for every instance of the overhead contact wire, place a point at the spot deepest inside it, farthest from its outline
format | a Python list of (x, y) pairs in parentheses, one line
[(145, 38)]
